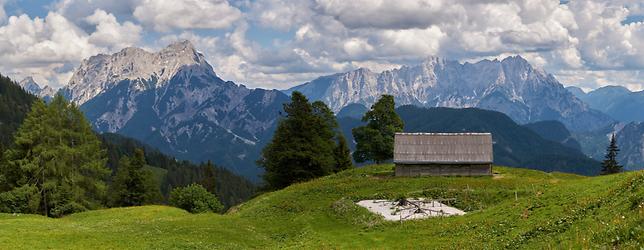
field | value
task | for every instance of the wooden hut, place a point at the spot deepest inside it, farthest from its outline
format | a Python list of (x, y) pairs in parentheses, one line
[(464, 154)]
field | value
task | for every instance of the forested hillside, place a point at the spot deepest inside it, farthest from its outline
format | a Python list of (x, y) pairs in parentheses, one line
[(554, 131), (231, 189), (14, 105), (63, 121)]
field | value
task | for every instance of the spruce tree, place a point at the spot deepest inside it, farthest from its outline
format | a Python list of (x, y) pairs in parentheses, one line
[(303, 145), (375, 141), (342, 154), (133, 184), (208, 180), (56, 152), (331, 132), (610, 164)]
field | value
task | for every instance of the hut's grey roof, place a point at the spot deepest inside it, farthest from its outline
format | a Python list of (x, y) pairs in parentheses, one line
[(443, 148)]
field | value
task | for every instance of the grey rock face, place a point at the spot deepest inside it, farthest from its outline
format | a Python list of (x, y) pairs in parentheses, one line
[(511, 86), (31, 86), (173, 100)]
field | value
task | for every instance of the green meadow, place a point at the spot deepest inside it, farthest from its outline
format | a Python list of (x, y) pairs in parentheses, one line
[(515, 208)]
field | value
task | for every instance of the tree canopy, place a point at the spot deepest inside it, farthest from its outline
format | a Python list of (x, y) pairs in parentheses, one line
[(307, 144), (375, 141), (134, 185), (58, 158)]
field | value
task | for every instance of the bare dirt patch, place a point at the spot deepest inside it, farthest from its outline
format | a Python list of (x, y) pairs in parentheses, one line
[(409, 209)]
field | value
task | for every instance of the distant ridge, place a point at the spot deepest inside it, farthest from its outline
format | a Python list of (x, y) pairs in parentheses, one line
[(511, 86)]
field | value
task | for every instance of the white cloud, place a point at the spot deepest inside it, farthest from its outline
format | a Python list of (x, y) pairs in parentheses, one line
[(37, 41), (166, 15), (110, 33), (583, 36), (389, 14), (280, 14), (318, 37), (48, 48), (604, 42), (593, 79)]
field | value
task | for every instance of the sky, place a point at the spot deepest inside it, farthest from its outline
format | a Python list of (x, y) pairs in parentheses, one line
[(283, 43)]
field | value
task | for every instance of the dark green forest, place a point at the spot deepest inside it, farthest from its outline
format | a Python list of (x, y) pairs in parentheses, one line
[(230, 188), (14, 105)]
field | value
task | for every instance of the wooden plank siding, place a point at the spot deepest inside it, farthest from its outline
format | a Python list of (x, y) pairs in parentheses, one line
[(465, 154)]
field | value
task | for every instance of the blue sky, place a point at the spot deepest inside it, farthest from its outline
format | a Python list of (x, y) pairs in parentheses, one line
[(279, 43)]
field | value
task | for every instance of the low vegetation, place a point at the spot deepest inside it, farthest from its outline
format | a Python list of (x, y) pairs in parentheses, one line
[(515, 208), (195, 199)]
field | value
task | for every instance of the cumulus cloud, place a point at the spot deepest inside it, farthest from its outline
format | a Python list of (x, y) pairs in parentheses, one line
[(583, 36), (166, 15), (389, 14), (27, 41), (604, 42), (48, 48), (110, 33), (596, 39), (280, 14)]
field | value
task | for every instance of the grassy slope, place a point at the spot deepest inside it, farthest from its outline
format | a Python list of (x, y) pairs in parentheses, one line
[(552, 210)]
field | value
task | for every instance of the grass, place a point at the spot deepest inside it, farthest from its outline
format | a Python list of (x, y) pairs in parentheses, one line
[(517, 208)]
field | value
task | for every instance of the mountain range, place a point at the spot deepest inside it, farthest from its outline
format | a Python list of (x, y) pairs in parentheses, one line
[(173, 100), (511, 86), (630, 140), (625, 106), (616, 101)]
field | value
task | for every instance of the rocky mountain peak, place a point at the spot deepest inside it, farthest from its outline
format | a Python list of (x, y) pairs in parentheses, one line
[(151, 69), (30, 85), (434, 60)]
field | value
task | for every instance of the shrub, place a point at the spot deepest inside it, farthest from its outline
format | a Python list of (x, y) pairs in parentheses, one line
[(23, 199), (195, 199)]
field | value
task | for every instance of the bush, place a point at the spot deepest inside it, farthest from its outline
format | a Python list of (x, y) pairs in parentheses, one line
[(195, 199), (23, 199)]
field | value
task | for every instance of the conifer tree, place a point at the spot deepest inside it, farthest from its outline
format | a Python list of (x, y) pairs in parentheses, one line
[(56, 152), (303, 145), (208, 180), (133, 184), (375, 141), (610, 164), (342, 154)]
